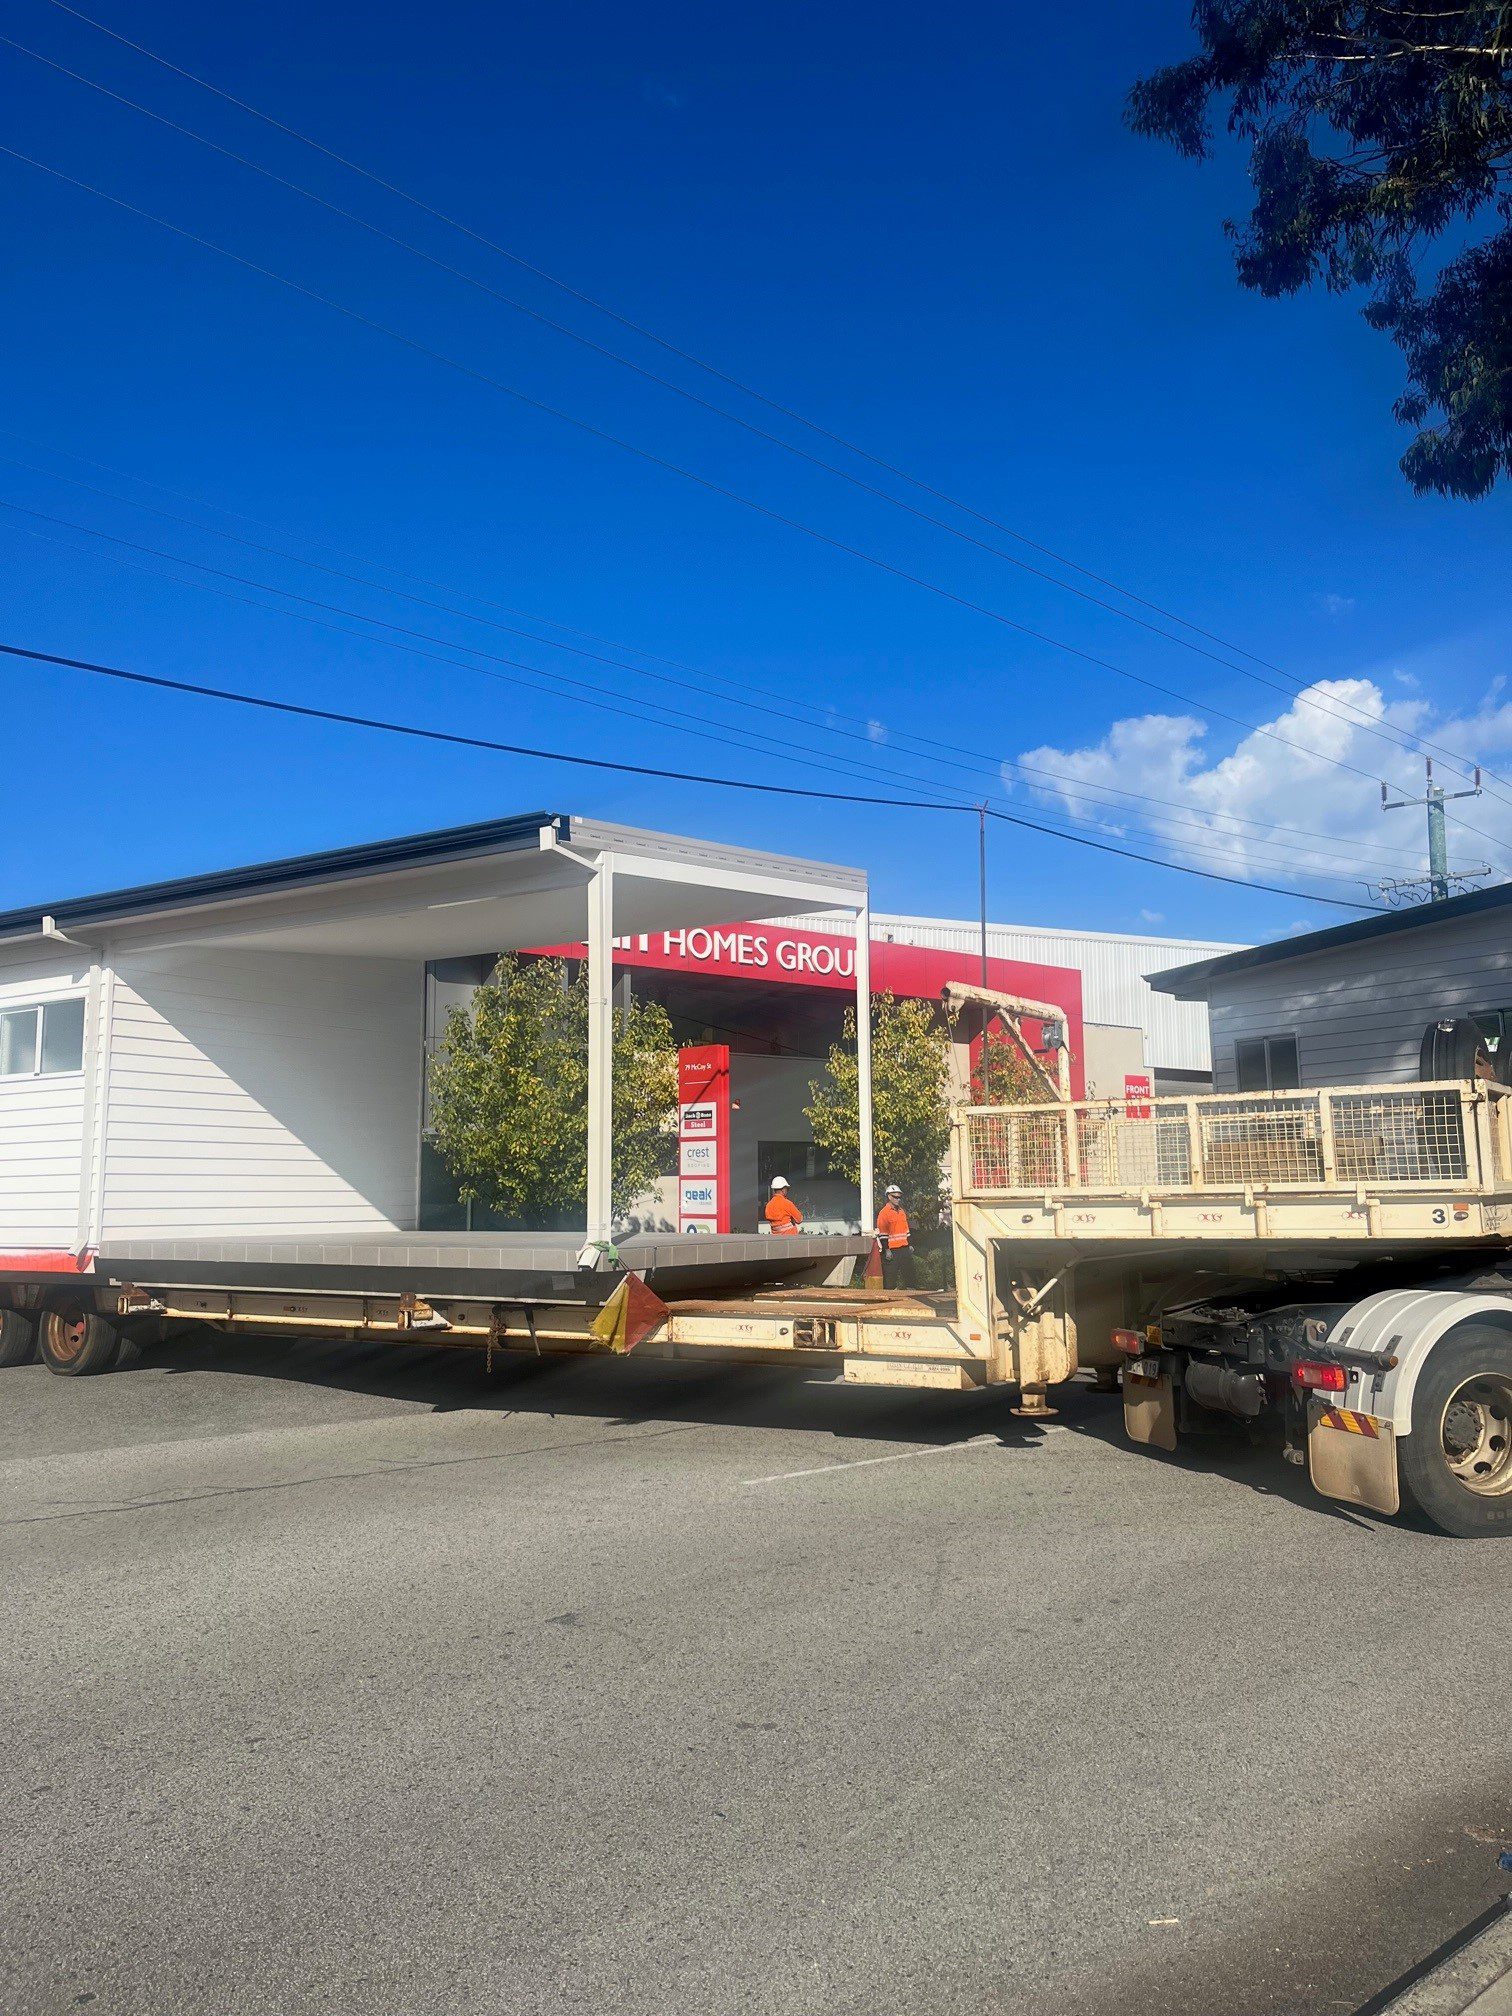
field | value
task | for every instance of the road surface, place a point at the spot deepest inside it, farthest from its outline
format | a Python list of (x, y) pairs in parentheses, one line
[(339, 1680)]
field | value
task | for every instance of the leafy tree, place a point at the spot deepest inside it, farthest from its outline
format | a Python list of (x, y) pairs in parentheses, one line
[(910, 1118), (1003, 1076), (509, 1094), (1373, 130)]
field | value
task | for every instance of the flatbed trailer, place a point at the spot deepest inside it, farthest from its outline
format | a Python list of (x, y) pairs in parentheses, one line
[(749, 1297)]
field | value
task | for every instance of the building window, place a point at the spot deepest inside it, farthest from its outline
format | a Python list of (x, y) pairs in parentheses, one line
[(1267, 1064), (43, 1041)]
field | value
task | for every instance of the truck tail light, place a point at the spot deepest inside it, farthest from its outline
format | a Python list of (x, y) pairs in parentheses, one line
[(1312, 1377), (1131, 1342)]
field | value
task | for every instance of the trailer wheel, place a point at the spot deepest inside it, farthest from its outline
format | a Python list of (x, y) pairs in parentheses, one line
[(77, 1341), (18, 1337), (1457, 1462)]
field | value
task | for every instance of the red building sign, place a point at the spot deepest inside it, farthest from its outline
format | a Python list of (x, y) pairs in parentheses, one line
[(779, 954), (703, 1138)]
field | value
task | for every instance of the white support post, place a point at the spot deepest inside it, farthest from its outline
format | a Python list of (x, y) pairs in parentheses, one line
[(864, 1064), (600, 1048)]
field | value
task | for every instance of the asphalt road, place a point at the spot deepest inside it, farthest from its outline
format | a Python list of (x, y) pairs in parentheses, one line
[(337, 1680)]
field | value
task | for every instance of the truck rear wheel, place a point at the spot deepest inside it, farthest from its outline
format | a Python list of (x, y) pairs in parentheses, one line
[(77, 1341), (18, 1337), (1457, 1462)]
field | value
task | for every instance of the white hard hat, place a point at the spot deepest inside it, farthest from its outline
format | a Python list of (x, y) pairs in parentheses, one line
[(779, 1183), (894, 1190)]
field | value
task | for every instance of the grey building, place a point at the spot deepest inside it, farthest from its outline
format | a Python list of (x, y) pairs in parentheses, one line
[(1349, 1005)]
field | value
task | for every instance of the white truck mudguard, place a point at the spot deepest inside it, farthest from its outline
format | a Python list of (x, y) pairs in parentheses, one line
[(1430, 1425), (1405, 1324)]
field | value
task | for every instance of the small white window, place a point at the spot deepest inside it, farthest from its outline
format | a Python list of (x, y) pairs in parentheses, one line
[(45, 1040), (63, 1035), (18, 1042)]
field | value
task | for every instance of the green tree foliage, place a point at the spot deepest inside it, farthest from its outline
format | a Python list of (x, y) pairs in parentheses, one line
[(1003, 1076), (509, 1094), (910, 1118), (910, 1109), (1374, 129)]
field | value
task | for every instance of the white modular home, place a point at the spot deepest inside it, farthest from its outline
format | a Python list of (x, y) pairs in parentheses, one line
[(241, 1054)]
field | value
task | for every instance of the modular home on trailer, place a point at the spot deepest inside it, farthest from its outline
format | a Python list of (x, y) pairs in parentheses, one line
[(239, 1057)]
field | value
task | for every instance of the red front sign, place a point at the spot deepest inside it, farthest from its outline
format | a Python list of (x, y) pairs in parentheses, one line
[(703, 1138), (1136, 1095)]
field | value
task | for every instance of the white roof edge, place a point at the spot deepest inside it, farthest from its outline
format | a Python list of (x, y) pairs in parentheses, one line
[(714, 853)]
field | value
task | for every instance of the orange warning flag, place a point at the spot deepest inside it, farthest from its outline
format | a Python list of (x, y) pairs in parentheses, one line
[(631, 1313)]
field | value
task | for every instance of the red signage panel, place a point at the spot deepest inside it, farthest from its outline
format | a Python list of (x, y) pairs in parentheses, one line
[(703, 1138)]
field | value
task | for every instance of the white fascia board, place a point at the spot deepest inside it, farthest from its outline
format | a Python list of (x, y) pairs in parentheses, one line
[(761, 888), (631, 843)]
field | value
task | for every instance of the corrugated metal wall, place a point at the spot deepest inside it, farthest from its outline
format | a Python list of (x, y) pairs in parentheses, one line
[(1112, 969)]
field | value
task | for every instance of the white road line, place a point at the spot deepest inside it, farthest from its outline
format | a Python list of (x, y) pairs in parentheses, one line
[(866, 1462)]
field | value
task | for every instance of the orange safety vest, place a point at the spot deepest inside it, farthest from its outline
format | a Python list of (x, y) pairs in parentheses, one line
[(782, 1214), (892, 1223)]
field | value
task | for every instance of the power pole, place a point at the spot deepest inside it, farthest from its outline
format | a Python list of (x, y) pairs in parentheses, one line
[(1439, 875), (982, 880)]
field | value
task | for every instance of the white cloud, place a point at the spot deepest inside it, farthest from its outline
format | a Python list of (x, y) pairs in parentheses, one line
[(1334, 605), (1152, 916), (1408, 679), (1316, 766), (876, 731)]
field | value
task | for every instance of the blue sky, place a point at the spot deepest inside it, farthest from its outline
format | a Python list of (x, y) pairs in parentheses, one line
[(940, 243)]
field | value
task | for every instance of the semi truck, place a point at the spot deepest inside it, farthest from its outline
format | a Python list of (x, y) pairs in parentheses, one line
[(1329, 1270)]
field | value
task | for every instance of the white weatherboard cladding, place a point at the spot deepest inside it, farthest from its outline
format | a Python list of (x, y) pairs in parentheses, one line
[(42, 1118), (1112, 966), (1358, 1012), (261, 1091)]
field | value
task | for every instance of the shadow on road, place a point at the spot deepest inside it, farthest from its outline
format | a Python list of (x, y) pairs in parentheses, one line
[(632, 1391)]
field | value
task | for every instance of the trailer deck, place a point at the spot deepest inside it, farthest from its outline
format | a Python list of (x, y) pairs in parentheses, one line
[(541, 1267)]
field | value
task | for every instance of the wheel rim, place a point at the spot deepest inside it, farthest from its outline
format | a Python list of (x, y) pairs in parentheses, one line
[(1477, 1434), (68, 1335)]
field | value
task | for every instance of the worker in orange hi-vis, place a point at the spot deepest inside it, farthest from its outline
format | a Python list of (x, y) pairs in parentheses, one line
[(782, 1214), (898, 1270)]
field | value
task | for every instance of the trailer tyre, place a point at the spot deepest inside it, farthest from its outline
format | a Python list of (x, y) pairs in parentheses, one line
[(1457, 1462), (75, 1342), (18, 1337)]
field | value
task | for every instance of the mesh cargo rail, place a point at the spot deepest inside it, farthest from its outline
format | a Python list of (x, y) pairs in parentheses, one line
[(1312, 1140)]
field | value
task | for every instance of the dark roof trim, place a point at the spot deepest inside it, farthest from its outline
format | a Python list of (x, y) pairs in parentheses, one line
[(1191, 983), (415, 850)]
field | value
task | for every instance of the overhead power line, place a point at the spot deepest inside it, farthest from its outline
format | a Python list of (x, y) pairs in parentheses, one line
[(674, 350), (677, 469), (455, 739), (1104, 799), (1333, 704), (1311, 861)]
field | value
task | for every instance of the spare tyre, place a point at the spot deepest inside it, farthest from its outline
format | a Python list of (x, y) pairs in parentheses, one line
[(1454, 1048)]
